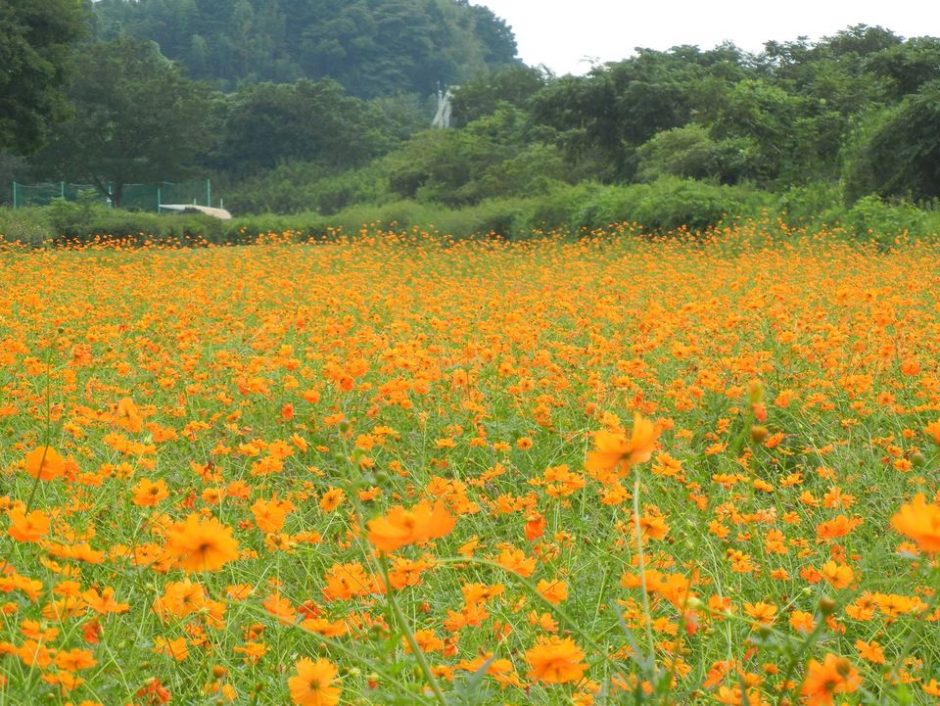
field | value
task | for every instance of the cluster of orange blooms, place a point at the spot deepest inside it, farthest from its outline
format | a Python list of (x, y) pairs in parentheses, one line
[(611, 470)]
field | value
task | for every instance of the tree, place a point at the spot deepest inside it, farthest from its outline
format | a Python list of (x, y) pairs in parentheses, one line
[(372, 48), (619, 106), (137, 119), (690, 152), (35, 40), (907, 66), (310, 121), (899, 155), (492, 156), (513, 85)]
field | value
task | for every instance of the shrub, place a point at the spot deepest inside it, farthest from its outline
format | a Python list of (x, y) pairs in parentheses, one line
[(669, 203), (29, 226), (872, 218), (818, 203), (301, 187)]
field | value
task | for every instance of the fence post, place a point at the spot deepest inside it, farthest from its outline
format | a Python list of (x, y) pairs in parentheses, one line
[(15, 203), (62, 189), (209, 193), (159, 197)]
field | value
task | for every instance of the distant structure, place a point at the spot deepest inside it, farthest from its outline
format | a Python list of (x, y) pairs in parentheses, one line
[(444, 109)]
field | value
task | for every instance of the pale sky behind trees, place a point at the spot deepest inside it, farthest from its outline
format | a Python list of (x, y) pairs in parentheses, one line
[(567, 35)]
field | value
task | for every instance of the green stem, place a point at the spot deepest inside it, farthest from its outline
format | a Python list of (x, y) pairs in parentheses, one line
[(647, 614), (557, 610), (339, 647), (402, 623), (933, 579), (797, 655)]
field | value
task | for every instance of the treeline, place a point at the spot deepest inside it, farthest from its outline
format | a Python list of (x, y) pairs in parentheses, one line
[(371, 48), (169, 89), (824, 125), (852, 115)]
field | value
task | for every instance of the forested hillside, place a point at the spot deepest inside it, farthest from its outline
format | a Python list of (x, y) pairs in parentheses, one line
[(371, 48), (294, 106)]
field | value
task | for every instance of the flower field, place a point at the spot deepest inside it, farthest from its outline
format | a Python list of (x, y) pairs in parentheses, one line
[(404, 470)]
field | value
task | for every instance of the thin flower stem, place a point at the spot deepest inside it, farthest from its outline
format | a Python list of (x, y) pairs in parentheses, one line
[(409, 635), (934, 581), (642, 557), (335, 645), (557, 610), (797, 655)]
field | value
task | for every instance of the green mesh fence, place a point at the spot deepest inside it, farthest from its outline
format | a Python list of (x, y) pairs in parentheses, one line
[(135, 197)]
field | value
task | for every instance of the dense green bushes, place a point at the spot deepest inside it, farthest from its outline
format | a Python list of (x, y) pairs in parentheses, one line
[(663, 206), (670, 203), (83, 221), (298, 187)]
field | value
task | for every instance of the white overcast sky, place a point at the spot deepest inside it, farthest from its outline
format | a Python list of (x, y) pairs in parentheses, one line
[(562, 34)]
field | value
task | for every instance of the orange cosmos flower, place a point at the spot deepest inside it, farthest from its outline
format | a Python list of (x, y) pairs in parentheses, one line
[(803, 622), (270, 514), (28, 528), (75, 659), (835, 675), (128, 416), (313, 683), (837, 575), (613, 451), (401, 527), (171, 648), (534, 526), (201, 545), (554, 592), (332, 499), (147, 493), (920, 521), (555, 660), (104, 602), (45, 463), (933, 431), (871, 651), (763, 613)]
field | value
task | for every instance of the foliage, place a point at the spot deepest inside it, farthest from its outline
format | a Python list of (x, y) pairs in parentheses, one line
[(669, 204), (899, 154), (871, 218), (692, 153), (816, 204), (269, 123), (490, 157), (35, 43), (907, 66), (137, 119), (620, 106), (484, 94), (854, 113), (294, 187), (664, 206), (29, 226), (371, 48)]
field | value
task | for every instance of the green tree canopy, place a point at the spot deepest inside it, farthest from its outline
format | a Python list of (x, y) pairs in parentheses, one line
[(484, 94), (371, 48), (900, 155), (311, 121), (606, 115), (137, 118), (35, 41)]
